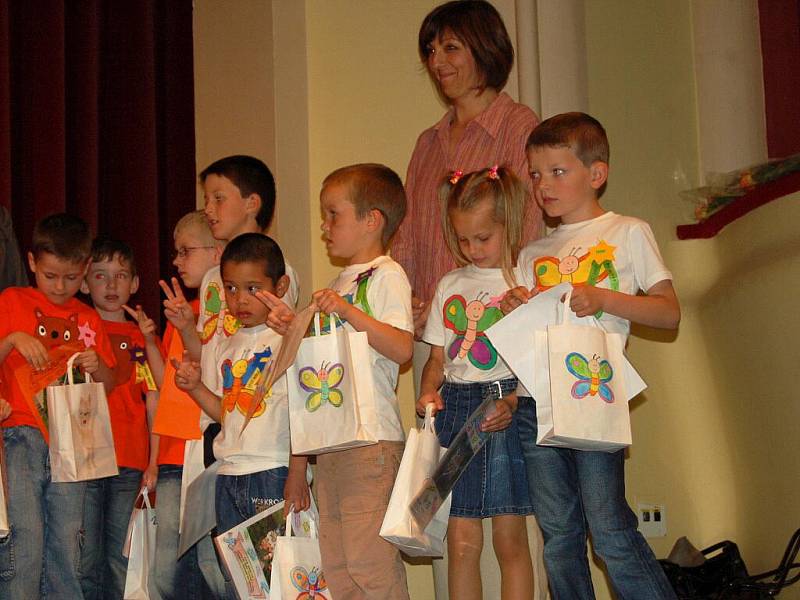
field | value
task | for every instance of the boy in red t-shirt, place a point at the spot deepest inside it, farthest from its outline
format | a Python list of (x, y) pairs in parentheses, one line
[(110, 282), (40, 328)]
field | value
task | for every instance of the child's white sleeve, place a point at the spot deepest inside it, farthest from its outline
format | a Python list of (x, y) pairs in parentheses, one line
[(389, 297), (648, 266)]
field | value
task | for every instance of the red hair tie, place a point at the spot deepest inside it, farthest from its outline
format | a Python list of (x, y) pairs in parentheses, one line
[(493, 172), (455, 176)]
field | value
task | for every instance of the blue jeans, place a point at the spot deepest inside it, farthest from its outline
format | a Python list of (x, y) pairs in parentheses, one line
[(109, 503), (575, 493), (42, 554), (239, 497), (173, 578)]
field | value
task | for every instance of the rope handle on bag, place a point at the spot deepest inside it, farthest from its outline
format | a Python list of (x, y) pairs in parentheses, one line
[(70, 376)]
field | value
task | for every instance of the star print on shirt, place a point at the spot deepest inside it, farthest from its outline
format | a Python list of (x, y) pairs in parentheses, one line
[(87, 335)]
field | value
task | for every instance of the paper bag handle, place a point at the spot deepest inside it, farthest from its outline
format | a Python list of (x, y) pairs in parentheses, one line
[(70, 376), (145, 498), (428, 422), (311, 525), (567, 310), (333, 317)]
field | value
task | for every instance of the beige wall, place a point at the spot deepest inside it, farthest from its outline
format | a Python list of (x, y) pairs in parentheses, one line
[(714, 436)]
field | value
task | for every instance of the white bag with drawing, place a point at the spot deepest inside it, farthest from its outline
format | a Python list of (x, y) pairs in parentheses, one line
[(331, 401), (81, 442), (580, 388), (297, 564), (420, 458)]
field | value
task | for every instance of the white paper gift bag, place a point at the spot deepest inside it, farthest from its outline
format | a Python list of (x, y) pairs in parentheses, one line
[(142, 548), (331, 402), (420, 458), (297, 565), (580, 390), (81, 442)]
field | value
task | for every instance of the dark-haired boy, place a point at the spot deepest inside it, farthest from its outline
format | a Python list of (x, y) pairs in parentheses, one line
[(239, 193), (608, 259), (43, 326), (257, 470), (110, 281)]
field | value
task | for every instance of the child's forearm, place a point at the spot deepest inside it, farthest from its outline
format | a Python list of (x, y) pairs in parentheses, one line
[(156, 362), (209, 402), (433, 371), (104, 375), (6, 346), (659, 308), (395, 344), (191, 342), (298, 465)]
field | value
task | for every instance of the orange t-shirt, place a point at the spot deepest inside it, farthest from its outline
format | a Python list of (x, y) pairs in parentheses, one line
[(126, 403), (63, 329), (170, 449)]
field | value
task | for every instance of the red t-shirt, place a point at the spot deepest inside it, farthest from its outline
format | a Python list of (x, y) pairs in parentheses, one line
[(170, 449), (126, 403), (63, 329)]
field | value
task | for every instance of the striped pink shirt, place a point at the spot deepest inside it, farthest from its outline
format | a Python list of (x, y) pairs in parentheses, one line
[(496, 136)]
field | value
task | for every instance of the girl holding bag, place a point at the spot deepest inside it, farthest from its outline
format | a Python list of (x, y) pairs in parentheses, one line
[(482, 220)]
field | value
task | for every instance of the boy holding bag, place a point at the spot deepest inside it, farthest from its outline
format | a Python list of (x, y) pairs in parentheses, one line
[(608, 259), (362, 206), (43, 326)]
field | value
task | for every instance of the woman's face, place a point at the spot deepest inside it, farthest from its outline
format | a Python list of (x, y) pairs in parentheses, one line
[(452, 66)]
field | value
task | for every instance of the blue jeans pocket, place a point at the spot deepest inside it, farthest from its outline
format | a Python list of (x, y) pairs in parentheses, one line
[(7, 557)]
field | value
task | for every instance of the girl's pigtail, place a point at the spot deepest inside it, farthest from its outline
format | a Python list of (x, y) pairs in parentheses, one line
[(512, 196), (446, 192)]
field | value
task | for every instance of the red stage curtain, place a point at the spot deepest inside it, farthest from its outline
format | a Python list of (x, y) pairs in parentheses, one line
[(779, 21), (97, 119)]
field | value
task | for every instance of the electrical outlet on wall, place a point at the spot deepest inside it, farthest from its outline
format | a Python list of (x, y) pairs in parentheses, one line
[(652, 519)]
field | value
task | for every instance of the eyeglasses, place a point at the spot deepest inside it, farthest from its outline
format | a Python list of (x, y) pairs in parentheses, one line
[(184, 251)]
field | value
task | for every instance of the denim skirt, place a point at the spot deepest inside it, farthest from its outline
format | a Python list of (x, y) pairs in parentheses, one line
[(495, 481)]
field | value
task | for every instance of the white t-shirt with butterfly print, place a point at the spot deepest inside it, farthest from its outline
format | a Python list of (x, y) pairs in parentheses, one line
[(610, 251), (240, 363), (215, 324), (385, 294), (466, 303)]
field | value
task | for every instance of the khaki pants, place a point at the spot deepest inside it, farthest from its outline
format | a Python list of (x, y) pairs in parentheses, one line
[(353, 489)]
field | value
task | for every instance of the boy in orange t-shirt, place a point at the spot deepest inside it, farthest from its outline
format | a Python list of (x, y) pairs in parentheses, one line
[(40, 328), (196, 251), (110, 282)]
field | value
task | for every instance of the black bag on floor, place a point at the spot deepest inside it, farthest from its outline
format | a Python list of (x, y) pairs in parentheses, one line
[(719, 573), (723, 566)]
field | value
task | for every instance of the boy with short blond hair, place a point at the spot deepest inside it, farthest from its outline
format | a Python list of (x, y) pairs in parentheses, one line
[(196, 252), (40, 327), (608, 259), (371, 294)]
